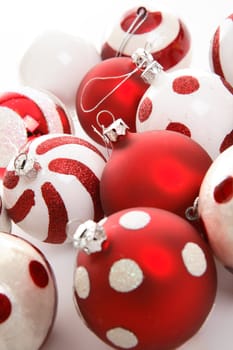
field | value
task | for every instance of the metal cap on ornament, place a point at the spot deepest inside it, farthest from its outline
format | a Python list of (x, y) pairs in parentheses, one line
[(26, 166), (116, 129), (89, 237), (146, 63)]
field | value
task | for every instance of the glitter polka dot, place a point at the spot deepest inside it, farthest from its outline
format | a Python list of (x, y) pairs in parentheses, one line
[(38, 274), (145, 109), (179, 127), (125, 275), (5, 308), (122, 337), (134, 220), (194, 259), (223, 192), (185, 85), (227, 142), (82, 282)]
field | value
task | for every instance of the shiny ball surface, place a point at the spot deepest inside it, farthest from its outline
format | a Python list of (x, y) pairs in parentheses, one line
[(28, 295)]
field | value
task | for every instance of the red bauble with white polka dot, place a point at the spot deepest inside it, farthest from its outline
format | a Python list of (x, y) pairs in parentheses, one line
[(163, 34), (161, 169), (221, 50), (28, 113), (215, 206), (113, 85), (152, 275), (52, 183), (193, 102), (28, 297)]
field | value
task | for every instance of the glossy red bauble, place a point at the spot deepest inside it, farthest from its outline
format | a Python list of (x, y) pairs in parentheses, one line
[(109, 87), (161, 169), (151, 286)]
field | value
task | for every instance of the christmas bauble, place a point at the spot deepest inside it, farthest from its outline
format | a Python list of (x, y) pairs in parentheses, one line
[(190, 101), (221, 50), (163, 34), (26, 114), (28, 297), (57, 62), (161, 169), (52, 183), (215, 206), (113, 85), (5, 222), (153, 275)]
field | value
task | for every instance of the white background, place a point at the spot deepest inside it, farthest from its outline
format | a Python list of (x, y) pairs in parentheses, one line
[(20, 22)]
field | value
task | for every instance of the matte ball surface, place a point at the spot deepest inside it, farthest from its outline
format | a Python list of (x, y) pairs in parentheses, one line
[(154, 275)]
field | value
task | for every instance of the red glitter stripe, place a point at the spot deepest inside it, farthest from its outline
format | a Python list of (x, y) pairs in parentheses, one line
[(83, 174), (49, 144), (216, 54), (58, 217), (22, 207), (10, 180), (64, 120)]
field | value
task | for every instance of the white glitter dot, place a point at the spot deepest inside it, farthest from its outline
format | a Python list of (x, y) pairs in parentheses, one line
[(134, 220), (82, 282), (125, 275), (122, 337), (194, 259)]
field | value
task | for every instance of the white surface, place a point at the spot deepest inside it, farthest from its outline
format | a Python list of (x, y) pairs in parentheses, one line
[(20, 22)]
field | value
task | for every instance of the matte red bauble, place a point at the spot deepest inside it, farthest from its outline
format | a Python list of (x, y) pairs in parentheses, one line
[(151, 285), (162, 169), (113, 85)]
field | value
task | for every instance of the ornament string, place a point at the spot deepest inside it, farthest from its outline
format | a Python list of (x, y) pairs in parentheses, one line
[(135, 25), (101, 134), (191, 213), (125, 77)]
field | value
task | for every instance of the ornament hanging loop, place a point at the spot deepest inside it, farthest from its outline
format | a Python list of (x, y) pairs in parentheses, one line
[(26, 166), (140, 18), (191, 213)]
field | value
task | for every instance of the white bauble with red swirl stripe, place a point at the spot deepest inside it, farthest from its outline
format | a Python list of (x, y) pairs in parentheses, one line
[(53, 183), (27, 113), (28, 295), (196, 103), (215, 206), (221, 50), (163, 34)]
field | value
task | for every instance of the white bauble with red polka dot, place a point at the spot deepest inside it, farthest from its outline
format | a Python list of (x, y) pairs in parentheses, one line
[(53, 182), (215, 206), (163, 34), (28, 296), (57, 61), (152, 274), (221, 50), (193, 102)]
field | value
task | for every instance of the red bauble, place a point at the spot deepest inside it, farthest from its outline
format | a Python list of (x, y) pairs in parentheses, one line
[(162, 169), (152, 285), (108, 87)]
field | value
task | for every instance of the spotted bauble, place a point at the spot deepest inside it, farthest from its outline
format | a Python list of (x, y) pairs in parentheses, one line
[(153, 274), (215, 206), (163, 34), (221, 50), (190, 101), (28, 295), (53, 182)]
